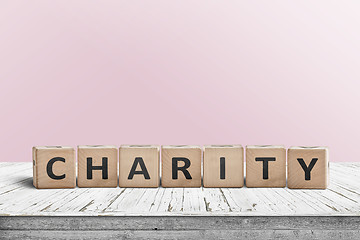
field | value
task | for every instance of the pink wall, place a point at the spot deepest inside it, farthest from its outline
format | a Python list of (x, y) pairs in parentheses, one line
[(179, 72)]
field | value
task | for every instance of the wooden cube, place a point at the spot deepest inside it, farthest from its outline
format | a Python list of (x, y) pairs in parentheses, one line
[(308, 167), (139, 166), (54, 167), (97, 166), (265, 166), (223, 166), (181, 166)]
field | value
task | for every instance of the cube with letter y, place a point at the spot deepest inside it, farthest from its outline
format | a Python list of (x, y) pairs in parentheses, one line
[(139, 166), (181, 166), (54, 167), (97, 166), (265, 166), (308, 167), (223, 166)]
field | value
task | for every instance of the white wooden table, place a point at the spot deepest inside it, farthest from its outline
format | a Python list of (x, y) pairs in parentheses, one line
[(26, 212)]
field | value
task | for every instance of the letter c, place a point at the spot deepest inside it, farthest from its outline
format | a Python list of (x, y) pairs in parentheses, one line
[(49, 168)]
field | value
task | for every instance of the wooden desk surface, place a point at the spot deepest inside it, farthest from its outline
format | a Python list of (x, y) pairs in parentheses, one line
[(18, 197), (26, 212)]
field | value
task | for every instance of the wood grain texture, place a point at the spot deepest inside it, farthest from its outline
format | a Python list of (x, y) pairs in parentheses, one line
[(318, 177), (233, 161), (181, 227), (18, 197), (317, 234), (150, 155), (64, 168), (97, 153), (193, 154), (276, 174)]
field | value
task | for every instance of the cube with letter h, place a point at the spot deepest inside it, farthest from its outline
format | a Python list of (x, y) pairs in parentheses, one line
[(54, 167), (139, 166), (265, 166), (308, 167), (97, 166), (181, 166)]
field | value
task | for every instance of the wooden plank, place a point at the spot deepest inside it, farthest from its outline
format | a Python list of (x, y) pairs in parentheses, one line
[(172, 200), (18, 197), (83, 223), (189, 234)]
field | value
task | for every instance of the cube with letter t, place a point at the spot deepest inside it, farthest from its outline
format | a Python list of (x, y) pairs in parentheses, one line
[(97, 166), (139, 166), (181, 166), (265, 166), (54, 167), (308, 167)]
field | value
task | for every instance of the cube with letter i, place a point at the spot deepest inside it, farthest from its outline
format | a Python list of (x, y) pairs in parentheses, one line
[(223, 166)]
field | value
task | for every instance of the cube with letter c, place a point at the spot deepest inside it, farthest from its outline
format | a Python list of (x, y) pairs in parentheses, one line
[(54, 167)]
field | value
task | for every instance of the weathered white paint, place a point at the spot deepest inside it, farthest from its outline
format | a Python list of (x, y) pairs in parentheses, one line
[(19, 198)]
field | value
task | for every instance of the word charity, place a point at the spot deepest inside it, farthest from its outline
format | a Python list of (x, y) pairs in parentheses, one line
[(139, 166)]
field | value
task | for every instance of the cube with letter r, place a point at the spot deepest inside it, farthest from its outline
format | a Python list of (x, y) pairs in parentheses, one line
[(181, 166)]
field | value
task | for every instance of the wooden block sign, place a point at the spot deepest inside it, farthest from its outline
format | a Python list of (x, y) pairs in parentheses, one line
[(181, 166), (308, 167), (223, 166), (97, 166), (265, 166), (54, 167), (139, 166)]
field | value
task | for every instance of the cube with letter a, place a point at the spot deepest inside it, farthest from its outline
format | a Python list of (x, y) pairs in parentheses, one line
[(54, 167), (308, 167), (139, 166), (181, 166), (97, 166), (265, 166), (223, 166)]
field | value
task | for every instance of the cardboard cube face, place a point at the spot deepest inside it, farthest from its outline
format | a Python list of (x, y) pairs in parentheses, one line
[(54, 167), (265, 166), (97, 166), (308, 167), (223, 166), (139, 166), (181, 166)]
